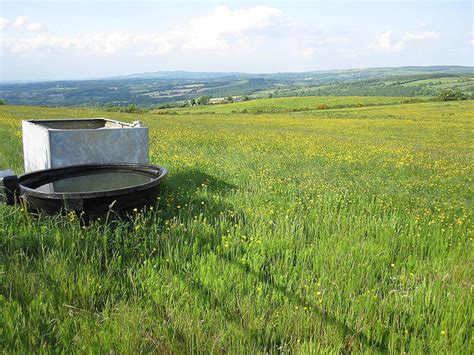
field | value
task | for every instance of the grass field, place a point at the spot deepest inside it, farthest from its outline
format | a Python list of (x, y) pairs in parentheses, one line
[(321, 231), (443, 82), (295, 104)]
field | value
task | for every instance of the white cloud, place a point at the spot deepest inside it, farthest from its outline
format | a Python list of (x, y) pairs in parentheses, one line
[(34, 27), (384, 43), (307, 52), (471, 41), (20, 22), (223, 29), (108, 43), (4, 22), (215, 30), (421, 36), (330, 40)]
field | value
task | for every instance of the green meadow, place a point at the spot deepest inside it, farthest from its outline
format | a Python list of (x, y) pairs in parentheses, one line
[(296, 104), (280, 229)]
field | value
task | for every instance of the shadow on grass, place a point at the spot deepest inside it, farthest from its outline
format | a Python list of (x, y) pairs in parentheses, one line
[(184, 185), (343, 328), (191, 179), (181, 189)]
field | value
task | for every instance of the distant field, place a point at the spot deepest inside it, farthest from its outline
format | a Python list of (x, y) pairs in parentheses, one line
[(319, 231), (291, 104), (443, 82)]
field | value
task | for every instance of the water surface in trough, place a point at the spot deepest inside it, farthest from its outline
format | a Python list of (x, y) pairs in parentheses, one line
[(102, 181)]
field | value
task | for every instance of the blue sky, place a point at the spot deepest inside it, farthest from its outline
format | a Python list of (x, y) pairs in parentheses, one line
[(90, 39)]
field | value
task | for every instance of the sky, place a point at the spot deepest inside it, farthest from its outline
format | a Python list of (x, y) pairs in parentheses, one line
[(56, 40)]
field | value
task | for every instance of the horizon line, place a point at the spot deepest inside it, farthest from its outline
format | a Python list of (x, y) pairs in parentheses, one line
[(124, 76)]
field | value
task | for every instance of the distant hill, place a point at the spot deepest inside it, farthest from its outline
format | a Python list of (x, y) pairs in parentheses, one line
[(178, 74), (175, 87), (181, 74)]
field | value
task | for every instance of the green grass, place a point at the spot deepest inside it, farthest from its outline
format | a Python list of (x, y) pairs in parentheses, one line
[(321, 231), (441, 82), (294, 104)]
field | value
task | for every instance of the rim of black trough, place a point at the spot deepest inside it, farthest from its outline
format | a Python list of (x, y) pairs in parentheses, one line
[(30, 181), (92, 202)]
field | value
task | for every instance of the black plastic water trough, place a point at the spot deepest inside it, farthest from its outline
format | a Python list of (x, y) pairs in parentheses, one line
[(93, 190)]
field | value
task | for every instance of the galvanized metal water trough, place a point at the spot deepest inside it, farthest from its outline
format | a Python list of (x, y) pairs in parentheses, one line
[(65, 142)]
